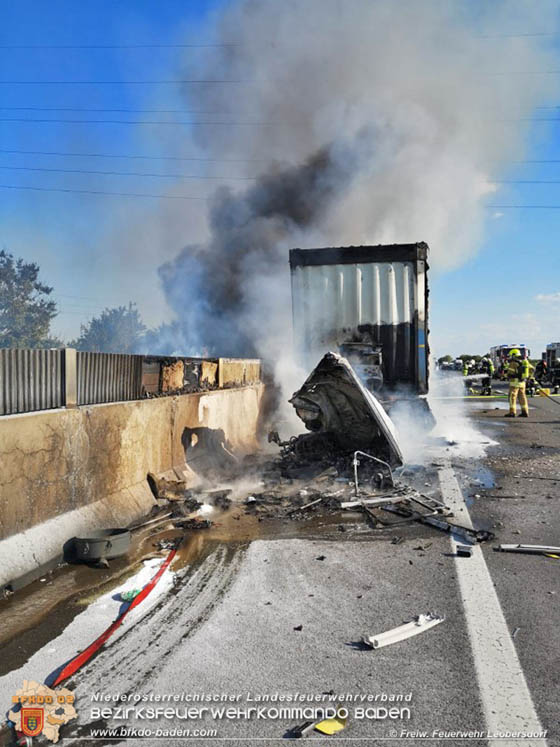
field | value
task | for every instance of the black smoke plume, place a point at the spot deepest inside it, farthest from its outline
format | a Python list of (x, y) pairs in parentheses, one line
[(208, 285)]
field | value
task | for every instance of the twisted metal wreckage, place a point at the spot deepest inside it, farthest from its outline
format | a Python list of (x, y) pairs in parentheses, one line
[(351, 431)]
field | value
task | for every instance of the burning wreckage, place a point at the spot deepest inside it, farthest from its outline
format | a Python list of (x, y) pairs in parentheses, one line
[(370, 305), (348, 463), (344, 419), (353, 445)]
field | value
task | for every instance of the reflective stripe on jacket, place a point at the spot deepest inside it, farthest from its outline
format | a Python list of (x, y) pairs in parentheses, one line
[(518, 370)]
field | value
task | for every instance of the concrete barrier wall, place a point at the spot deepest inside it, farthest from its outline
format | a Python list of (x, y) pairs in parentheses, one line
[(56, 466), (238, 371)]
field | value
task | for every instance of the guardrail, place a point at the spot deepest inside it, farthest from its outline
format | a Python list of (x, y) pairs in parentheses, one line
[(32, 380)]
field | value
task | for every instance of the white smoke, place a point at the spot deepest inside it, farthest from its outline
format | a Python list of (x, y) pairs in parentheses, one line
[(431, 89), (430, 97), (454, 434)]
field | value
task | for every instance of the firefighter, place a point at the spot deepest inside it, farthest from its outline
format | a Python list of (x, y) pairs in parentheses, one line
[(487, 367), (541, 371), (517, 371), (465, 368)]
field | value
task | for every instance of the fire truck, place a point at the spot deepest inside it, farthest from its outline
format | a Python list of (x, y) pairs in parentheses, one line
[(499, 355)]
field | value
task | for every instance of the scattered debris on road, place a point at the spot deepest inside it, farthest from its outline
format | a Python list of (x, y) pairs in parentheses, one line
[(195, 524), (418, 625), (99, 545), (327, 726), (535, 477), (331, 726), (220, 498), (467, 533), (165, 544), (301, 731), (169, 490), (307, 505), (156, 520), (464, 551), (530, 549)]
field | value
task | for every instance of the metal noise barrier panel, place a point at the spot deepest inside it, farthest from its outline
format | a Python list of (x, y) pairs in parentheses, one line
[(30, 380), (108, 377)]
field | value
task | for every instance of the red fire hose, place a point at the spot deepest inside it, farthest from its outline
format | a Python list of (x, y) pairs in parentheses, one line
[(82, 658)]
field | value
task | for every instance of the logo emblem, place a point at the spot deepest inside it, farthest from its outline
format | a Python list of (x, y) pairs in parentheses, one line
[(32, 721)]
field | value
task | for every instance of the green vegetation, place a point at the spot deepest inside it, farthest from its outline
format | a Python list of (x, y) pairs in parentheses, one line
[(118, 330), (26, 312)]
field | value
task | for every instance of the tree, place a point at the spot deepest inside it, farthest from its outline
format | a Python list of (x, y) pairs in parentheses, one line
[(445, 359), (167, 339), (118, 330), (25, 310)]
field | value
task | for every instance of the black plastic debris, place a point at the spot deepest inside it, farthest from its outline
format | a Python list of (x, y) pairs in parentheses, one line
[(101, 544)]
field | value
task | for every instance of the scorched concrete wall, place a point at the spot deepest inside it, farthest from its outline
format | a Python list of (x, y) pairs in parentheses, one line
[(57, 466)]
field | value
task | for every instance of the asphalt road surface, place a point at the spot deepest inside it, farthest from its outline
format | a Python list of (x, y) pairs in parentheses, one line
[(252, 621)]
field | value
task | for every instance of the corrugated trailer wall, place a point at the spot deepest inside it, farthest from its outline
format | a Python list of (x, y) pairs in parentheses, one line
[(377, 292), (30, 380), (108, 377)]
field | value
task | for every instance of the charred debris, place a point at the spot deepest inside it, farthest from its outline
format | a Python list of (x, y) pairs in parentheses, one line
[(348, 460), (348, 466), (344, 420)]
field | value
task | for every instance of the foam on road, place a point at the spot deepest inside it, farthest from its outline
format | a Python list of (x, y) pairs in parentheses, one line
[(86, 627)]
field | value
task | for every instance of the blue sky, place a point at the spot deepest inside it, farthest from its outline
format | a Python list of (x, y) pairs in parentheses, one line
[(495, 295), (509, 291), (66, 233), (494, 298)]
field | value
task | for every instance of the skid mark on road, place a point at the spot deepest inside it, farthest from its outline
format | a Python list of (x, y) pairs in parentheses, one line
[(507, 702), (128, 663)]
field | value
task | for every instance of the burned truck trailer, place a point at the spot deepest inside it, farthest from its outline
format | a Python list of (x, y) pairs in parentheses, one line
[(369, 303)]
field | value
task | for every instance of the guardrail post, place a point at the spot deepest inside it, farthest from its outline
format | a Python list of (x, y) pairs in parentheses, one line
[(70, 378)]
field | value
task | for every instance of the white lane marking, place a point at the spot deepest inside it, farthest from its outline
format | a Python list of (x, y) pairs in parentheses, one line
[(507, 702)]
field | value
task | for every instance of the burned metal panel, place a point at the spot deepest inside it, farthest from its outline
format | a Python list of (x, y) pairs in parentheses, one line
[(209, 373), (334, 401), (356, 254), (31, 380), (108, 377), (374, 294), (172, 376), (151, 371), (238, 371)]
